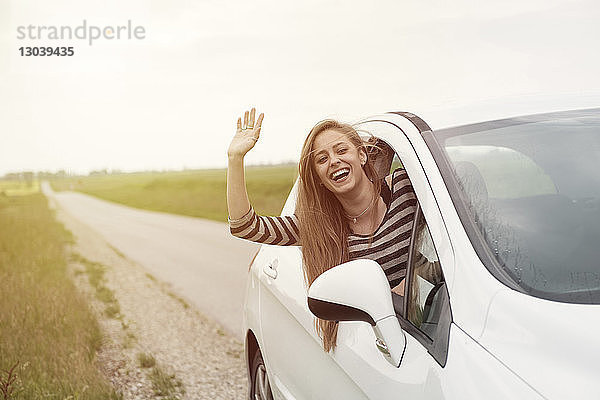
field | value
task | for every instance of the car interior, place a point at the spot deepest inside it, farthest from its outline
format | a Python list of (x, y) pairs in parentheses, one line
[(541, 240)]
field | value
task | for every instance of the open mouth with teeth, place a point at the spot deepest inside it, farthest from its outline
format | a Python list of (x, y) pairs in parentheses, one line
[(340, 174)]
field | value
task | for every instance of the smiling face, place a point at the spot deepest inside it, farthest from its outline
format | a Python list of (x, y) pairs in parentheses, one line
[(338, 162)]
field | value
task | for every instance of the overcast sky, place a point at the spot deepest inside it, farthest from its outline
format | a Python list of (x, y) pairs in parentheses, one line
[(171, 100)]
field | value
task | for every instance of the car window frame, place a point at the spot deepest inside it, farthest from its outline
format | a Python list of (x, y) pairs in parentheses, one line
[(412, 122), (437, 346)]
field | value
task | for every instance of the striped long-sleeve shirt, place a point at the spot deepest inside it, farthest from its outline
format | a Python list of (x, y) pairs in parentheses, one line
[(388, 245)]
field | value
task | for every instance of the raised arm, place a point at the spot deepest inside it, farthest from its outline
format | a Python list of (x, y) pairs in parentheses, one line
[(243, 221), (244, 140)]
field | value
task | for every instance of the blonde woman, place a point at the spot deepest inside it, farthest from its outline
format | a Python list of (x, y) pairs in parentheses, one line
[(344, 210)]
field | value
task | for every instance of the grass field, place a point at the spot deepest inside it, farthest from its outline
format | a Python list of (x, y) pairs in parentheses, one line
[(18, 188), (47, 330), (195, 193)]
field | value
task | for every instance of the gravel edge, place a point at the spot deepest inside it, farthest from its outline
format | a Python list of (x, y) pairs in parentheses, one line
[(196, 355)]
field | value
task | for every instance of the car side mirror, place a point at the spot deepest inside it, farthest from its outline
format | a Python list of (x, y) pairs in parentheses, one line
[(359, 291)]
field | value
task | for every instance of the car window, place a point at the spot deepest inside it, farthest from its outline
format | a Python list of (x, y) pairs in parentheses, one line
[(425, 281), (396, 163), (527, 191), (507, 173)]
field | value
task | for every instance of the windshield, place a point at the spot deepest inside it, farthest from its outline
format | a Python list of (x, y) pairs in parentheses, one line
[(530, 190)]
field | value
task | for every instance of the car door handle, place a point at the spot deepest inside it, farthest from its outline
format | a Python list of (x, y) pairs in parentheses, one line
[(271, 269)]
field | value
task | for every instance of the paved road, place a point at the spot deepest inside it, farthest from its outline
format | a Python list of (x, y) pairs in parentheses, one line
[(199, 258)]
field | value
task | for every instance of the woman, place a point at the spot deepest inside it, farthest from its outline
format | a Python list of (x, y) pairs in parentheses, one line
[(344, 210)]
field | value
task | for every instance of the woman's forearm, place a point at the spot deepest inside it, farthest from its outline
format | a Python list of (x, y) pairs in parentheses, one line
[(245, 138), (238, 204)]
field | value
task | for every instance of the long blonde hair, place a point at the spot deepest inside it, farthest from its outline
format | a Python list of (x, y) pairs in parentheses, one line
[(323, 225)]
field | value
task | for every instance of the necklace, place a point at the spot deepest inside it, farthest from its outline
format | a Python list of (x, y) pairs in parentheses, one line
[(361, 214)]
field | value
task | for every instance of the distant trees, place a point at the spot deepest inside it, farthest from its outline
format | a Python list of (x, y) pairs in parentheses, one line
[(99, 172), (24, 176), (29, 176)]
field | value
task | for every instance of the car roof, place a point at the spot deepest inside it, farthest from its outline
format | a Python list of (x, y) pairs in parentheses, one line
[(468, 112)]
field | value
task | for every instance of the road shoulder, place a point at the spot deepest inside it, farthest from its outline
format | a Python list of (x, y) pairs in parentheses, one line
[(144, 319)]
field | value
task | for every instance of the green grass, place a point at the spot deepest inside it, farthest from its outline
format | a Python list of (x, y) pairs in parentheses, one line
[(18, 188), (117, 252), (45, 323), (129, 340), (146, 360), (165, 384), (179, 299), (195, 193), (95, 272)]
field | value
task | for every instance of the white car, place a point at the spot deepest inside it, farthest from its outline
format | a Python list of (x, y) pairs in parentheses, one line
[(507, 305)]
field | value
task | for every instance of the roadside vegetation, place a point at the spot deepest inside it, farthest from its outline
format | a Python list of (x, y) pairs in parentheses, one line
[(166, 385), (95, 272), (200, 193), (146, 360), (14, 187), (48, 335)]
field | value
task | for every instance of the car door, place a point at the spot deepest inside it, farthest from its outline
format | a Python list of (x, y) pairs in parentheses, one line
[(298, 366), (296, 363)]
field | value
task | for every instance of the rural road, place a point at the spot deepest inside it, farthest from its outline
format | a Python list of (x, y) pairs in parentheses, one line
[(201, 261)]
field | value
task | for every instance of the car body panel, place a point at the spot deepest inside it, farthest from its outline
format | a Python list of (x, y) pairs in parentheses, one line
[(553, 346), (469, 365), (292, 346), (473, 373)]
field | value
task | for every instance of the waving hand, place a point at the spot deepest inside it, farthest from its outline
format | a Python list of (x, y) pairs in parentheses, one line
[(246, 134)]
